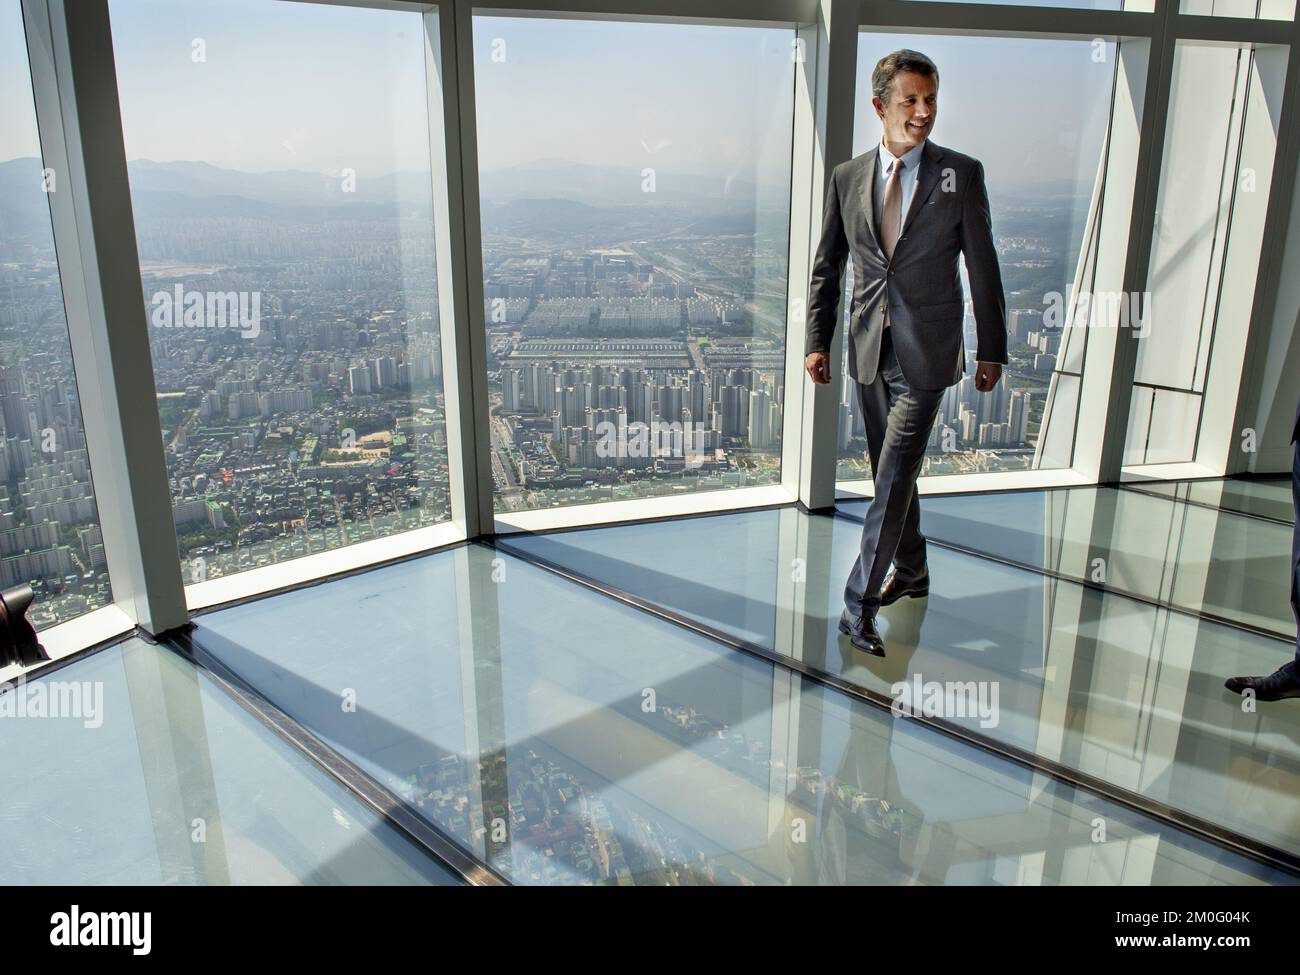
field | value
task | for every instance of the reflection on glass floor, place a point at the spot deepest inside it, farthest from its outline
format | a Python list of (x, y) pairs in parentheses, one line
[(1262, 497), (567, 737), (1212, 562), (1116, 689), (137, 769)]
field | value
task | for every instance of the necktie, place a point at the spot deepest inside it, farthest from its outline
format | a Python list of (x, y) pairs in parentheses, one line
[(891, 216)]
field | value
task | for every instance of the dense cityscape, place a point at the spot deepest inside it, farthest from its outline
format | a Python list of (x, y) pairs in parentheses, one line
[(634, 349)]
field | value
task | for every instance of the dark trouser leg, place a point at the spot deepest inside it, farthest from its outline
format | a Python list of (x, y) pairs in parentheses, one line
[(875, 400), (1295, 542), (894, 514)]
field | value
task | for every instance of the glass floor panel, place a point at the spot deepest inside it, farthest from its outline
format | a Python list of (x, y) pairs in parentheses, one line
[(1261, 497), (1120, 690), (1219, 563), (568, 737), (151, 774)]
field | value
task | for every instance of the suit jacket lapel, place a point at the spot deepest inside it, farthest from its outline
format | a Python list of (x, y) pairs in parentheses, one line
[(867, 193), (927, 178)]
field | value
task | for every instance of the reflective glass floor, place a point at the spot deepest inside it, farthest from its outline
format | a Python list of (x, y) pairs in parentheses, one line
[(564, 735), (1108, 686), (1263, 497), (671, 703), (1214, 562), (129, 766)]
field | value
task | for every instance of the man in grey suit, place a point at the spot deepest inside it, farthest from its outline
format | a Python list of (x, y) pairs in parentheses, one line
[(905, 211), (1284, 682)]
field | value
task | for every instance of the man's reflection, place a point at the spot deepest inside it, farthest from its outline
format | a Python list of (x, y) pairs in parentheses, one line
[(868, 831)]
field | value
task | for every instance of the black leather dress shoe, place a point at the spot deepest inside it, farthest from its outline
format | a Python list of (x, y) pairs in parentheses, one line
[(1282, 683), (862, 633), (893, 590)]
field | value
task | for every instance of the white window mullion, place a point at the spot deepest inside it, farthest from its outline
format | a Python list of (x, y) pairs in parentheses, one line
[(75, 88)]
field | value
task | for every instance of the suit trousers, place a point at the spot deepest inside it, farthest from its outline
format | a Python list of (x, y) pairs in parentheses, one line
[(898, 419)]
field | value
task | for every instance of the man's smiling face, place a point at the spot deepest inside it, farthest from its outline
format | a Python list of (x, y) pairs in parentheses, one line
[(908, 117)]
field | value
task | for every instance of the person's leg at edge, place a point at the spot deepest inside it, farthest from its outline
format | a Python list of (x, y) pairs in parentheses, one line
[(1285, 681)]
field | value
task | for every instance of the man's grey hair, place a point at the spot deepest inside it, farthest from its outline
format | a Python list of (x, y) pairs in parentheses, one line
[(902, 60)]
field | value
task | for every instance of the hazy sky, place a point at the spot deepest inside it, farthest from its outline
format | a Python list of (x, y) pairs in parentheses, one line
[(283, 86), (322, 87), (1029, 108), (17, 117), (697, 99)]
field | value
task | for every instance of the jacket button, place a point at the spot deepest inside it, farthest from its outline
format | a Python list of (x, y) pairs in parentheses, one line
[(883, 307)]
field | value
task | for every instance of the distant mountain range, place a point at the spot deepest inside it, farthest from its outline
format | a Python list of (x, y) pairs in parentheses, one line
[(548, 194)]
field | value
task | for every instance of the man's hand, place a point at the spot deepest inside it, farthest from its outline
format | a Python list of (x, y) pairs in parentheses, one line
[(987, 375), (818, 365)]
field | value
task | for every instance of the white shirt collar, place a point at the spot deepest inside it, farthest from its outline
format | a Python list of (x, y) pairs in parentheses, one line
[(911, 158)]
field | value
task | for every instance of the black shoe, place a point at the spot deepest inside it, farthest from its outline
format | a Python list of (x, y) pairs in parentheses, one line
[(862, 633), (893, 590), (1282, 683)]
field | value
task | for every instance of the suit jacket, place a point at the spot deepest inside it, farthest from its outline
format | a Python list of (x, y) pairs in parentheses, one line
[(948, 216)]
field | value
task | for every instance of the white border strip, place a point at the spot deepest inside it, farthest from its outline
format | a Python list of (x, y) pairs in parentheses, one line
[(988, 483), (320, 565), (641, 509)]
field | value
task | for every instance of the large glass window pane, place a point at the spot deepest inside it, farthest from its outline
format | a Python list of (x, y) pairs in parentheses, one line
[(1220, 141), (635, 183), (1041, 183), (49, 525), (283, 208)]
